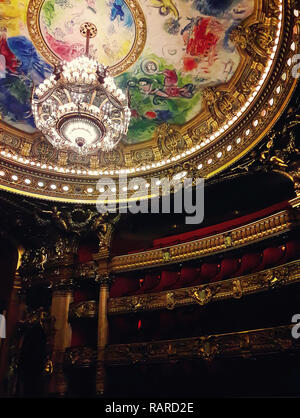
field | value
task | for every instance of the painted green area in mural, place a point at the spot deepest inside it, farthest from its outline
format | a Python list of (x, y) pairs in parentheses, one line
[(157, 94), (49, 11)]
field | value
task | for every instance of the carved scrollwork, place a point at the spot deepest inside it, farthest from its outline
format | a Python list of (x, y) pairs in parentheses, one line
[(112, 159), (86, 271), (136, 303), (86, 309), (170, 300), (220, 103), (258, 39), (237, 289), (207, 348), (278, 277), (140, 157), (202, 296), (80, 357), (169, 140)]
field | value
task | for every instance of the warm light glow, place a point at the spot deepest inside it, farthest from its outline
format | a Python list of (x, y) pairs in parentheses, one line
[(80, 108)]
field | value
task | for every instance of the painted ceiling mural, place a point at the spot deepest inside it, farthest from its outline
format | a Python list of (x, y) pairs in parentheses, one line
[(187, 49)]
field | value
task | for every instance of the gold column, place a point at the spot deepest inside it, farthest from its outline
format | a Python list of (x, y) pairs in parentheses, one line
[(104, 282), (61, 300), (105, 231)]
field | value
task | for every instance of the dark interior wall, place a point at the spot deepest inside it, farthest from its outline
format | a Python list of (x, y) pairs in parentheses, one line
[(8, 264), (269, 375)]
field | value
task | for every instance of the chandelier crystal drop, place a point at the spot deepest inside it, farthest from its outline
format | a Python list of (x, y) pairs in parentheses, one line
[(80, 108)]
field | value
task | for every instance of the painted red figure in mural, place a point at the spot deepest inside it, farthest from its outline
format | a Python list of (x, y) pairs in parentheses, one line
[(171, 88), (201, 37), (202, 41), (11, 62)]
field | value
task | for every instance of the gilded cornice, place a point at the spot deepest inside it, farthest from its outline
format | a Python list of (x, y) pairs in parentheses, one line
[(234, 288)]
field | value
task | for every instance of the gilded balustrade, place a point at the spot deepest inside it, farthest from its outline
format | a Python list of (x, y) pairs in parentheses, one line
[(232, 288), (245, 344), (273, 225)]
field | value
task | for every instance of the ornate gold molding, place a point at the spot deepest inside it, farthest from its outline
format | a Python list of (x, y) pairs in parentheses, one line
[(57, 263), (263, 228), (80, 357), (212, 292), (245, 344), (86, 309)]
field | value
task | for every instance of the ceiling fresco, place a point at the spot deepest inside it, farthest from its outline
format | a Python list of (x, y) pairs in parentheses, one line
[(187, 49), (60, 22), (206, 79)]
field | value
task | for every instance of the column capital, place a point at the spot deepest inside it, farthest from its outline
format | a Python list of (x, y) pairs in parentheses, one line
[(104, 280), (63, 286)]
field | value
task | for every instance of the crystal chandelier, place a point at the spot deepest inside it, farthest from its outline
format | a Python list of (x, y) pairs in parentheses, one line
[(79, 107)]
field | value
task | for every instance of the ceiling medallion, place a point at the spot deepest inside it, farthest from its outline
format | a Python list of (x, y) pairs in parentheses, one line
[(54, 47), (79, 107)]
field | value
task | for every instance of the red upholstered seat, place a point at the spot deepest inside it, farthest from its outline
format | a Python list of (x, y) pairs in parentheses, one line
[(187, 276), (150, 282), (271, 257), (248, 263), (123, 286), (207, 271), (229, 266), (167, 279)]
